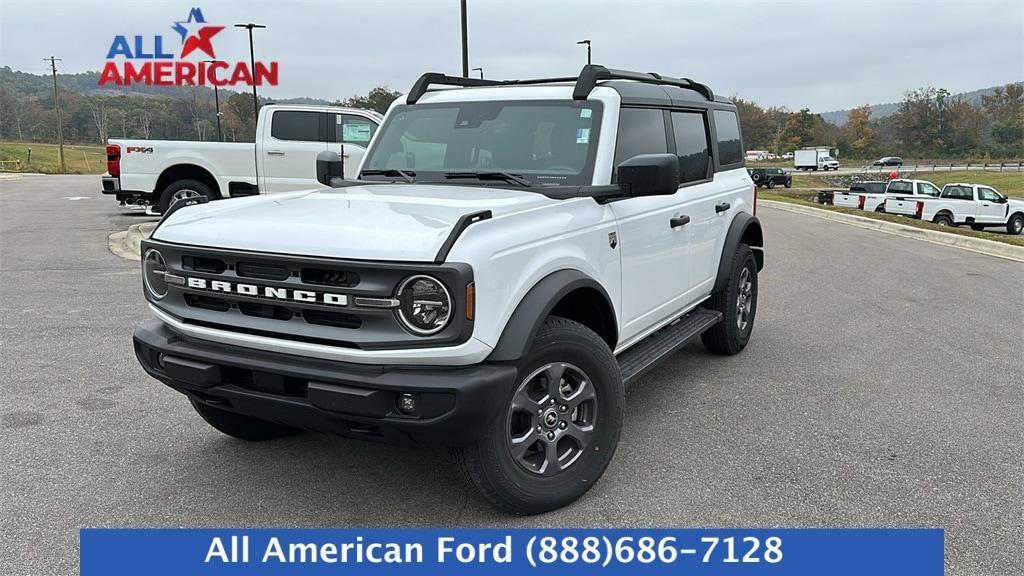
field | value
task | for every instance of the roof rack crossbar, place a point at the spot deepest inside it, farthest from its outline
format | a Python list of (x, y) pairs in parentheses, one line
[(593, 73), (585, 82)]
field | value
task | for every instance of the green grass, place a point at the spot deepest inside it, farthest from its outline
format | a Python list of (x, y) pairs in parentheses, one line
[(804, 198), (46, 159)]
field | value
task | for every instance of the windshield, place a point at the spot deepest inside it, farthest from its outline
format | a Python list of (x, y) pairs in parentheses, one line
[(545, 142)]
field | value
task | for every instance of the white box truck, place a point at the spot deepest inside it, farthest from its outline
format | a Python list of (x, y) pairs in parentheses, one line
[(815, 159)]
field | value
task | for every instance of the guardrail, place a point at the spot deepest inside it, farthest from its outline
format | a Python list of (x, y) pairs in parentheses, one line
[(5, 165), (949, 167)]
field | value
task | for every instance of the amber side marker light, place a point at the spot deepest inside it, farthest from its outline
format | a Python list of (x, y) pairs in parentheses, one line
[(470, 300)]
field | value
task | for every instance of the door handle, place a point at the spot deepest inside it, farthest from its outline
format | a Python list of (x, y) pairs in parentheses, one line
[(275, 152), (679, 221), (722, 207)]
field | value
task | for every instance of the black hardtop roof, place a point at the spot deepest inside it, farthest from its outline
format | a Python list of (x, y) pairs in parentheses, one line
[(638, 88)]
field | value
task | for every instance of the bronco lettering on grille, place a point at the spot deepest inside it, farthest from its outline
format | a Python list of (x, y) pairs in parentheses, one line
[(272, 292)]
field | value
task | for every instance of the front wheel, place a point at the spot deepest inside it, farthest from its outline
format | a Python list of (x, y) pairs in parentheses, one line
[(737, 302), (1015, 224), (558, 428), (789, 183), (771, 184)]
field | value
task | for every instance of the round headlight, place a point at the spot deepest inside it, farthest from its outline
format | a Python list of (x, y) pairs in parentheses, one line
[(425, 306), (154, 270)]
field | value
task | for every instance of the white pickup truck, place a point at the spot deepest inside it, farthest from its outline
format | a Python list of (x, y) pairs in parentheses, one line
[(875, 202), (150, 174), (971, 204)]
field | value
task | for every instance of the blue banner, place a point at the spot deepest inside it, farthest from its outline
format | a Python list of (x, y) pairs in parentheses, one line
[(790, 552)]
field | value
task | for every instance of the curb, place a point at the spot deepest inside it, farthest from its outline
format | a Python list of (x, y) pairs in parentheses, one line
[(979, 245), (128, 244)]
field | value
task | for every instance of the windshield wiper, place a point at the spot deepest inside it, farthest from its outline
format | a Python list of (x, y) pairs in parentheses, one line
[(490, 176), (392, 172)]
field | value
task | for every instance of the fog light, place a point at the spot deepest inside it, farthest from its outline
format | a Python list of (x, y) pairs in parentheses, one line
[(406, 404), (160, 360)]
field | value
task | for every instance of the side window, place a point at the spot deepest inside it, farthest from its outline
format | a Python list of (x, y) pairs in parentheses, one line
[(641, 131), (296, 125), (691, 135), (928, 189), (988, 194), (350, 129), (730, 151)]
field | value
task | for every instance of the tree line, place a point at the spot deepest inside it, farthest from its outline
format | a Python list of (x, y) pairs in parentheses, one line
[(929, 122)]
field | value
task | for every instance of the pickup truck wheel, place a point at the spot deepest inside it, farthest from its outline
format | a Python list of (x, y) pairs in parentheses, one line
[(943, 220), (737, 302), (183, 189), (241, 426), (1015, 224), (559, 426)]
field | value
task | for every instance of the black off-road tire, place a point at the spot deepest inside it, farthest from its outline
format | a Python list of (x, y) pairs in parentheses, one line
[(1015, 224), (727, 337), (489, 464), (241, 426), (789, 183), (771, 183), (756, 176), (183, 186)]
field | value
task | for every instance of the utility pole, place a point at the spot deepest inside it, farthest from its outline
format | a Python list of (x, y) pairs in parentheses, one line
[(56, 106), (216, 102), (255, 98), (587, 42), (481, 70), (465, 43)]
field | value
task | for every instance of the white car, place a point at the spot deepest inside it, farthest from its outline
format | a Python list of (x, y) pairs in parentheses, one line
[(154, 173), (973, 205), (511, 256), (875, 201)]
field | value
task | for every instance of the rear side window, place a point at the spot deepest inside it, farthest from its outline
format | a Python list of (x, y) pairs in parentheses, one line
[(641, 131), (296, 125), (730, 151), (691, 134), (958, 192), (875, 188), (900, 186)]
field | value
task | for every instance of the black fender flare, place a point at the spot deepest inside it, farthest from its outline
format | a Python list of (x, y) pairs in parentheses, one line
[(743, 222), (528, 316)]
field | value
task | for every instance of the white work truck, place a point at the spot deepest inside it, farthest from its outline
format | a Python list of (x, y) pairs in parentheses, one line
[(815, 159), (146, 174), (970, 204), (508, 258), (875, 201)]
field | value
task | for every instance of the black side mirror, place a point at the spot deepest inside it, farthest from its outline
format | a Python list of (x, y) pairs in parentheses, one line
[(329, 166), (649, 175), (1002, 200)]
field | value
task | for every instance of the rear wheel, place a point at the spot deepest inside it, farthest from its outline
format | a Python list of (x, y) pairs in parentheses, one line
[(241, 426), (183, 189), (737, 302), (943, 220), (1015, 224), (559, 427)]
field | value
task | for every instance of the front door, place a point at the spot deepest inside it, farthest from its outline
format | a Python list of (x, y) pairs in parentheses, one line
[(290, 150), (353, 133), (991, 209)]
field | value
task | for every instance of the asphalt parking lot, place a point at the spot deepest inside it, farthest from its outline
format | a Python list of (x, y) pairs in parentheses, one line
[(883, 387)]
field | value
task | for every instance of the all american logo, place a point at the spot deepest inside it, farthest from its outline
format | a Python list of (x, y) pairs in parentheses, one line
[(162, 62)]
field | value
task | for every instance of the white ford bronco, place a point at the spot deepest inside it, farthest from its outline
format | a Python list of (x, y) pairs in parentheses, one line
[(510, 256)]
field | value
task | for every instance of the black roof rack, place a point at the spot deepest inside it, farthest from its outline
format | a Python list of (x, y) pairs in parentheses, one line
[(587, 80)]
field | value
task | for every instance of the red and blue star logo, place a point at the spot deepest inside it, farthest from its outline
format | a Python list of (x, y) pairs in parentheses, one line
[(196, 34)]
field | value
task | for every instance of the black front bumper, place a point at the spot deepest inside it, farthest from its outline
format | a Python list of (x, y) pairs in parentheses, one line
[(453, 404)]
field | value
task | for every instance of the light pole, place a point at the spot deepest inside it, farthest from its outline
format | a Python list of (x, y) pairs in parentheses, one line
[(56, 106), (481, 70), (465, 43), (216, 102), (252, 64), (587, 42)]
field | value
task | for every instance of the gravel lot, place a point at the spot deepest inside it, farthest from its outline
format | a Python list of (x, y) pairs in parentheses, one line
[(883, 387)]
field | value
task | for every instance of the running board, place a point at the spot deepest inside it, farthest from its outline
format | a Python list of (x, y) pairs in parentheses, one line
[(649, 352)]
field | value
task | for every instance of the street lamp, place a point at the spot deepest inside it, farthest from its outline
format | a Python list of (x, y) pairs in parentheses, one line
[(216, 101), (587, 42), (252, 64), (481, 72)]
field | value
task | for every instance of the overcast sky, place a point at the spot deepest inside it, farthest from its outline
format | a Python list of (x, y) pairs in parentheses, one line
[(825, 55)]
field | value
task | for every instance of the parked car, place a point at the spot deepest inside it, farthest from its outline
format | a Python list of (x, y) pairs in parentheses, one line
[(875, 201), (856, 189), (963, 204), (154, 173), (495, 276), (888, 161), (771, 177)]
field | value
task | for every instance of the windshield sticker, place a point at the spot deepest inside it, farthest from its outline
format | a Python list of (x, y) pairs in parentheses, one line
[(582, 135), (586, 112)]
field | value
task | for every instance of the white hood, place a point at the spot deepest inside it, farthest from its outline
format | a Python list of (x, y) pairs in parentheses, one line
[(379, 222)]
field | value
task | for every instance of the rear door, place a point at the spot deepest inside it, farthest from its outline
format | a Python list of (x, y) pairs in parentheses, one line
[(349, 135), (289, 151)]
